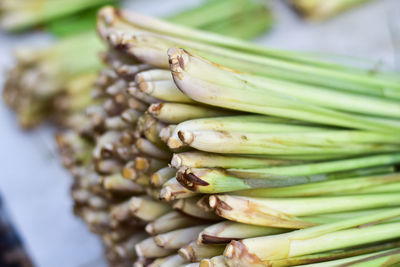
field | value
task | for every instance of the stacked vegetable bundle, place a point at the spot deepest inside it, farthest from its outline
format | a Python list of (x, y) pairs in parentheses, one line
[(183, 177), (54, 83)]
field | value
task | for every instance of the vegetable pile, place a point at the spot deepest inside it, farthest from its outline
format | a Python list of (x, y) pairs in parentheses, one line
[(211, 151)]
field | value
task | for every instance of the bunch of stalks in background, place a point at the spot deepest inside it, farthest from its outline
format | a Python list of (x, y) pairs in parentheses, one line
[(211, 151)]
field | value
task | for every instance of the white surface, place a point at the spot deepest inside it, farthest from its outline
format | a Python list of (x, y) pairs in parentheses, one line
[(34, 185)]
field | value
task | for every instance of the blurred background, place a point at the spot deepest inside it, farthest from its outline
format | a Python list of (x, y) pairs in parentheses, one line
[(34, 185)]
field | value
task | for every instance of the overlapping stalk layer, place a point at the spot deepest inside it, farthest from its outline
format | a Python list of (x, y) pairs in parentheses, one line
[(225, 153)]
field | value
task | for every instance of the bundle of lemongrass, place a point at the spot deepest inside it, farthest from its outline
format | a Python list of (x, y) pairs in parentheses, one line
[(55, 82), (169, 171), (320, 9)]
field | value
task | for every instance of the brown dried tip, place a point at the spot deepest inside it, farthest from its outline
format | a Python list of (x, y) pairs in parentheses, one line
[(190, 180), (178, 59), (154, 109)]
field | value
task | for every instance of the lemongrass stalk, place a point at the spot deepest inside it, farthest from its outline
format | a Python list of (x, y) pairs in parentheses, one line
[(319, 10), (210, 181), (149, 249), (195, 253), (115, 123), (149, 164), (166, 132), (226, 231), (336, 235), (119, 234), (189, 207), (129, 71), (285, 212), (147, 209), (151, 150), (161, 176), (121, 212), (201, 160), (116, 88), (97, 219), (142, 179), (152, 129), (178, 238), (129, 171), (108, 166), (319, 168), (73, 148), (204, 203), (252, 124), (189, 73), (126, 249), (341, 187), (164, 90), (173, 260), (172, 190), (154, 193), (153, 75), (105, 142), (171, 221), (323, 139), (118, 183), (217, 261), (136, 93), (136, 104), (179, 112), (131, 116)]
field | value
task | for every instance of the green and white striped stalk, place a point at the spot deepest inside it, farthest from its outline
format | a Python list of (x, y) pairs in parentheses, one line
[(211, 181), (209, 160), (251, 123), (164, 90), (287, 212)]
